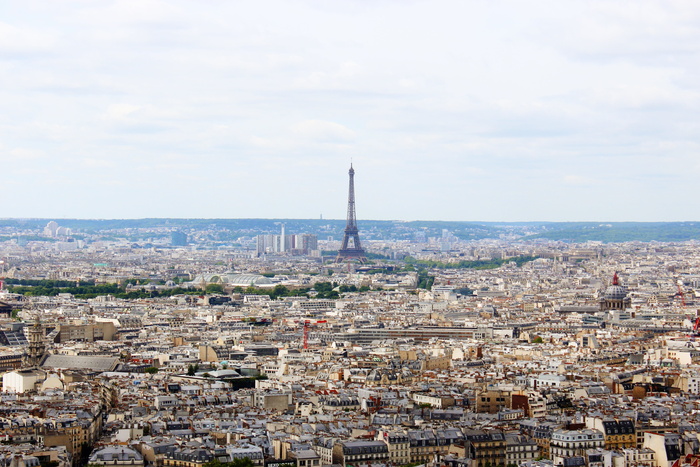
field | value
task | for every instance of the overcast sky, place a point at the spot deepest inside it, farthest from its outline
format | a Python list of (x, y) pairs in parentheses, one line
[(449, 110)]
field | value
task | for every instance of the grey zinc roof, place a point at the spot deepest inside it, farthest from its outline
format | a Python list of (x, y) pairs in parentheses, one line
[(112, 453), (81, 362)]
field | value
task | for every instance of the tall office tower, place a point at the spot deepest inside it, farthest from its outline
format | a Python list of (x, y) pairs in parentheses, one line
[(283, 240), (309, 242), (51, 229), (303, 243), (267, 244), (351, 248)]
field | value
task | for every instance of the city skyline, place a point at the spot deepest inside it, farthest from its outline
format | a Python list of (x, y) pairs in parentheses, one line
[(449, 110)]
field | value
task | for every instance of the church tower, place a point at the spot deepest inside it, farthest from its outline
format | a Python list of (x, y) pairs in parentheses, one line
[(37, 346)]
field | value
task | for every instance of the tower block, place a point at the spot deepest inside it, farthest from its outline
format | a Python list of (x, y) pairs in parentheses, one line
[(351, 249)]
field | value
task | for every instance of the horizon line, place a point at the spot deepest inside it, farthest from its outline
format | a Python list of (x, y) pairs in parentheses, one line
[(343, 220)]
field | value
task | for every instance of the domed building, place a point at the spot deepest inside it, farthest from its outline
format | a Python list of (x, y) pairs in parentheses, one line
[(615, 296), (387, 376)]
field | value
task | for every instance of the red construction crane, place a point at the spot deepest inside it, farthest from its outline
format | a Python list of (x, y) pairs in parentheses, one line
[(680, 293), (307, 325), (306, 334), (696, 330)]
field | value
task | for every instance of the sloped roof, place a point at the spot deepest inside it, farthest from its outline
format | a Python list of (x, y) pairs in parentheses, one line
[(81, 362)]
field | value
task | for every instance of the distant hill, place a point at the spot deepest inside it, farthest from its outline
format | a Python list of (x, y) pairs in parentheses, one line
[(245, 227), (575, 232), (611, 232)]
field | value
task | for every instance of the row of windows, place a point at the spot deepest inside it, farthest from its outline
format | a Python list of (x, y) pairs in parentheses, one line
[(364, 456), (527, 447), (521, 455), (571, 438)]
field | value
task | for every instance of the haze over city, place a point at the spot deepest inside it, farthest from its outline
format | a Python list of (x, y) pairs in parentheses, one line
[(553, 111)]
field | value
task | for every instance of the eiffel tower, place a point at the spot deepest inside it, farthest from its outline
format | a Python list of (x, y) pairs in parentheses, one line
[(351, 248)]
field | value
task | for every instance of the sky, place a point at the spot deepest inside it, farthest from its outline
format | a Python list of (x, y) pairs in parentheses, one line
[(471, 110)]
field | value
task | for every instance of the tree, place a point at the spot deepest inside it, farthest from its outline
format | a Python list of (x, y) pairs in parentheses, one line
[(279, 291), (244, 462), (151, 370), (214, 288), (323, 287)]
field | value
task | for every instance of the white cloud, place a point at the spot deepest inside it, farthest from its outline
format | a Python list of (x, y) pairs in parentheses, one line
[(97, 163), (25, 154), (323, 131), (120, 111), (578, 180), (23, 42), (423, 96)]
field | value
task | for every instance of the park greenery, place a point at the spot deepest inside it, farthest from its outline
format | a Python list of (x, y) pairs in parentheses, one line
[(425, 280), (368, 255), (133, 289), (325, 290), (242, 462), (87, 289), (464, 264)]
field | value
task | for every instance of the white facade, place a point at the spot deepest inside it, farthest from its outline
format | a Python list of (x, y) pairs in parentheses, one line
[(569, 443), (21, 380), (165, 402)]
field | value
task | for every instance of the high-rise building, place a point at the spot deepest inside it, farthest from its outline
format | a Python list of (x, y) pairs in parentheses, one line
[(300, 244), (51, 229), (283, 239)]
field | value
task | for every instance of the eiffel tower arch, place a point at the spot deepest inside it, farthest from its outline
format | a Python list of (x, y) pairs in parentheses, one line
[(351, 248)]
